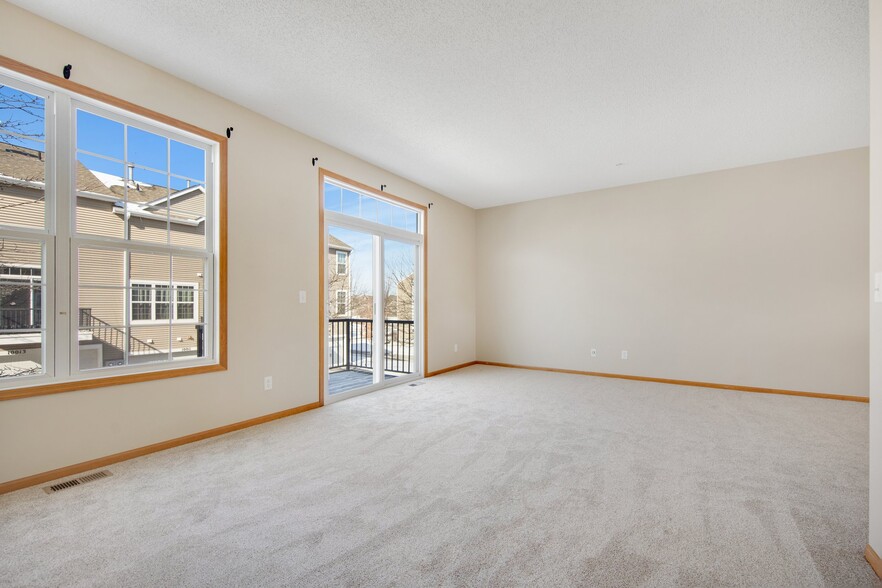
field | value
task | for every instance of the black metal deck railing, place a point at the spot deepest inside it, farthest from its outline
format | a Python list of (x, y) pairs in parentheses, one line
[(350, 342), (20, 318)]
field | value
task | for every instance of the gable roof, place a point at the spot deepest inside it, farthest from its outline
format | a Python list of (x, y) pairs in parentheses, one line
[(25, 167), (335, 243)]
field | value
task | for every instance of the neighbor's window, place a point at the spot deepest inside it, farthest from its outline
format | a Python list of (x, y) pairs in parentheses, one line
[(141, 240), (152, 302), (341, 262), (341, 302)]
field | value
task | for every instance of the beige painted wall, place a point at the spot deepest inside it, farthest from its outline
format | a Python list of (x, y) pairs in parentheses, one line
[(875, 266), (753, 276), (273, 207)]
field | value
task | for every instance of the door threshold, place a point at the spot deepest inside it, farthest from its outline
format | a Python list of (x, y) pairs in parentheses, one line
[(403, 379)]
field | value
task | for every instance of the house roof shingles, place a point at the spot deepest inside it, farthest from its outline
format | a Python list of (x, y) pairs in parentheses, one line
[(335, 243), (29, 165), (23, 166)]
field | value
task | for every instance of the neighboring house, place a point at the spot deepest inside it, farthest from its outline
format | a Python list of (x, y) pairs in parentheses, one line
[(404, 300), (339, 278), (163, 297)]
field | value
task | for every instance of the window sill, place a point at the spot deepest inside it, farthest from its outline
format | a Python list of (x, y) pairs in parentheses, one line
[(117, 380), (154, 323)]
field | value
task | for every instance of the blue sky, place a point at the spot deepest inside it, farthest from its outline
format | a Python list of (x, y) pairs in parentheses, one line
[(141, 149), (174, 163)]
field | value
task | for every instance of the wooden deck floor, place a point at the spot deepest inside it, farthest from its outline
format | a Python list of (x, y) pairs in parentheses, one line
[(346, 380)]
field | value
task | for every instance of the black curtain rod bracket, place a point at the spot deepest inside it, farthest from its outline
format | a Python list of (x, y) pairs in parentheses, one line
[(66, 71), (229, 132), (314, 159)]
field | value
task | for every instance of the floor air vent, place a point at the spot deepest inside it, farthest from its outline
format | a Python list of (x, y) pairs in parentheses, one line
[(76, 482)]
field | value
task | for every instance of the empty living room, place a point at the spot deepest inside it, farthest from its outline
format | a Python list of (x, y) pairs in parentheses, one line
[(575, 293)]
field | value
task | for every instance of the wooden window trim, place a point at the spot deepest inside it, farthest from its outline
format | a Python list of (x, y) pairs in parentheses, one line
[(221, 330)]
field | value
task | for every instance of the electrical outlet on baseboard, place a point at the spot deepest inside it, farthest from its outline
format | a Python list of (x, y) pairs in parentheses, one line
[(456, 347), (268, 383), (624, 354), (593, 352)]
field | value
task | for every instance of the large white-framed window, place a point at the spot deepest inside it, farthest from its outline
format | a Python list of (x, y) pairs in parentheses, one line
[(110, 238)]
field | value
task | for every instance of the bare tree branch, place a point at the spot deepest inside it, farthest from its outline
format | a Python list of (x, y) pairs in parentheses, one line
[(13, 101)]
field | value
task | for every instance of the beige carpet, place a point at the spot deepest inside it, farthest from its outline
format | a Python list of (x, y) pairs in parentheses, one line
[(481, 477)]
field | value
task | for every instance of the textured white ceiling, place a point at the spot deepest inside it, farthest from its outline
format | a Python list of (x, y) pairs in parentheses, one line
[(491, 102)]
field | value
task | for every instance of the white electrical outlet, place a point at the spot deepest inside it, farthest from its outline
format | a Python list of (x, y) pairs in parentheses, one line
[(268, 383), (303, 297), (624, 354), (456, 347), (593, 353)]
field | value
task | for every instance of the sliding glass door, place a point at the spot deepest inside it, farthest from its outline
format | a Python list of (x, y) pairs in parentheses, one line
[(373, 280)]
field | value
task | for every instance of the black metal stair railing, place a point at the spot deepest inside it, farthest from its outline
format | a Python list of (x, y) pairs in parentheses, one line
[(113, 336)]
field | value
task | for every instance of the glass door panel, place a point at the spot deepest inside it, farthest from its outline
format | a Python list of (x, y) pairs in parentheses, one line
[(400, 297), (351, 309)]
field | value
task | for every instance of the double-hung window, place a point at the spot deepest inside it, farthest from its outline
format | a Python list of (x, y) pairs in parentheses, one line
[(110, 240), (153, 302), (342, 299)]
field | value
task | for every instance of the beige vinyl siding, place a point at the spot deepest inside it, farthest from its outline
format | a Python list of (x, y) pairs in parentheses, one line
[(159, 335), (96, 217), (21, 207), (101, 267), (105, 305), (149, 230), (187, 235), (149, 267), (16, 253), (187, 269), (191, 203), (155, 231)]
